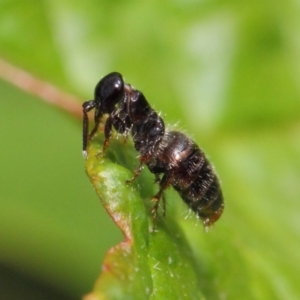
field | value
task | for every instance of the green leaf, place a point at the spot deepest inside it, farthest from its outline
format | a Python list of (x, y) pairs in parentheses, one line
[(147, 263)]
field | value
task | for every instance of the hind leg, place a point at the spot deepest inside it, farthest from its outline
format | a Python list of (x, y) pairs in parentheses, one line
[(164, 183)]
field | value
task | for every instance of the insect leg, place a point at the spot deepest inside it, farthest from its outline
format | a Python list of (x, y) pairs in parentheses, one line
[(164, 183), (107, 134), (86, 107), (157, 180), (136, 173), (97, 118)]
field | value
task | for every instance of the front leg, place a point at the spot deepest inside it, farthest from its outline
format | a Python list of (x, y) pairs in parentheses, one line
[(86, 107), (107, 133)]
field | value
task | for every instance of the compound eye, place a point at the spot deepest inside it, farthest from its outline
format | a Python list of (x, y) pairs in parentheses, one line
[(109, 89)]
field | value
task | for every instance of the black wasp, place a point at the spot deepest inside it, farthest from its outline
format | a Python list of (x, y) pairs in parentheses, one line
[(171, 156)]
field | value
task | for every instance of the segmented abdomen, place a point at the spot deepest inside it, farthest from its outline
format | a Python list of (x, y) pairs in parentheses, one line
[(204, 195)]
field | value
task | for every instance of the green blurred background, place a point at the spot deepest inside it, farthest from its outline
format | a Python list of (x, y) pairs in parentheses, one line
[(227, 71)]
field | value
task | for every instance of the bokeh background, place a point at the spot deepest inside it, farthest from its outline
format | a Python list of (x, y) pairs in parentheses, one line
[(227, 71)]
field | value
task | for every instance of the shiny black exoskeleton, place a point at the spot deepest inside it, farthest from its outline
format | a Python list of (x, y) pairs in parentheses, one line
[(169, 154)]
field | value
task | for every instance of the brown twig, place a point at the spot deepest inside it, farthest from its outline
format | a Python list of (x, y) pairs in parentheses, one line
[(42, 89)]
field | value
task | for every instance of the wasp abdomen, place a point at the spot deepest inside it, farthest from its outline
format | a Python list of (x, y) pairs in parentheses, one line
[(204, 195), (192, 176)]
